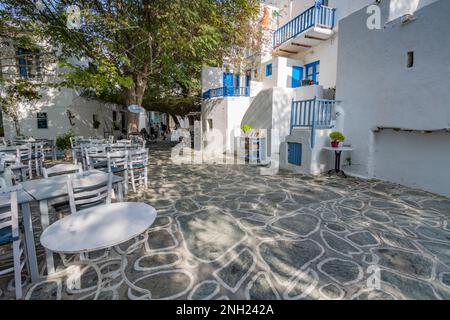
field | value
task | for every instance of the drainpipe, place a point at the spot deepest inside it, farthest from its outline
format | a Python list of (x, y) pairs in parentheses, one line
[(370, 160)]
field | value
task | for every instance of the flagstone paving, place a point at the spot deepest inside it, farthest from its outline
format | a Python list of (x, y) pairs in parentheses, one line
[(228, 232)]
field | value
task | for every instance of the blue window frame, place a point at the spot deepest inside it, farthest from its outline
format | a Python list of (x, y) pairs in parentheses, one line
[(22, 62), (268, 70), (42, 121), (28, 63), (313, 71)]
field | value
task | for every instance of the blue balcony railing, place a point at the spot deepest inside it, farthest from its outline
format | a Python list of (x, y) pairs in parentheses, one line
[(227, 92), (314, 113), (312, 17)]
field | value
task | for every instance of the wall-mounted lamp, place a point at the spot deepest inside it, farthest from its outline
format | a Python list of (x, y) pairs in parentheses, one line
[(71, 117)]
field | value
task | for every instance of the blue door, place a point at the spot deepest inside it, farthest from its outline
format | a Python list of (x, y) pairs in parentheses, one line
[(237, 81), (228, 84), (248, 79), (297, 75), (295, 153)]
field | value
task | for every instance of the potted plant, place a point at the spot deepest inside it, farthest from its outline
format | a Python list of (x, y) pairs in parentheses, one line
[(63, 142), (336, 137), (247, 130)]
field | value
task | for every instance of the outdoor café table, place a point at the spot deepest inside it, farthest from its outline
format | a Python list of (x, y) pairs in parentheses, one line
[(43, 190), (337, 162), (24, 199), (101, 227)]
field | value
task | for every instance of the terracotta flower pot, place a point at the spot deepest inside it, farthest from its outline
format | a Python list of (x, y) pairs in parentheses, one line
[(335, 144)]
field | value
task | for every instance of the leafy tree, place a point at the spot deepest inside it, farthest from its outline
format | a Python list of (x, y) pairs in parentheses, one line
[(145, 52), (17, 98)]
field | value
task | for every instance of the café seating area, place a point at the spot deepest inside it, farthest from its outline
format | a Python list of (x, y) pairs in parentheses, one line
[(93, 183)]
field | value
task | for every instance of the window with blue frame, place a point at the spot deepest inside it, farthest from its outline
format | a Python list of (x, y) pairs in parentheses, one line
[(28, 63), (313, 71), (268, 70), (42, 121)]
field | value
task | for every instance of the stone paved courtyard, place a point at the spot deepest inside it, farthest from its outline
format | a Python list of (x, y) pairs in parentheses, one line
[(227, 232)]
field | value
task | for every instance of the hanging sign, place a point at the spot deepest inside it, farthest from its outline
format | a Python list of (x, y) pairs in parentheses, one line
[(134, 108)]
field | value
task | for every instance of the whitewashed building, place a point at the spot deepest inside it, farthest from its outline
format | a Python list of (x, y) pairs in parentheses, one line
[(394, 86), (59, 109), (345, 65)]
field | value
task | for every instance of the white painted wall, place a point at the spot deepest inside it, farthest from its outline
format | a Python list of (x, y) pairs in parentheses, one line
[(271, 110), (376, 89), (56, 102), (414, 159), (226, 114)]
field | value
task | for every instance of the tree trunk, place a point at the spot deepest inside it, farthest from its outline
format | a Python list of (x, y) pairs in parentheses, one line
[(135, 95), (17, 127), (175, 119)]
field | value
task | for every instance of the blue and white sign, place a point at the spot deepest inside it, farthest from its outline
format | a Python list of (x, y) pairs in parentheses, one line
[(134, 108)]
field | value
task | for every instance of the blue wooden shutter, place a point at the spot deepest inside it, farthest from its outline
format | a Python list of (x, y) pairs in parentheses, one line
[(22, 63), (268, 70), (297, 75), (295, 153)]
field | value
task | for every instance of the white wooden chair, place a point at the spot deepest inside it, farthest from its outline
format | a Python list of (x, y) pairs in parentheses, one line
[(38, 156), (124, 141), (8, 178), (75, 145), (92, 163), (24, 156), (89, 191), (3, 141), (138, 167), (61, 205), (138, 141), (119, 166), (10, 235), (61, 169)]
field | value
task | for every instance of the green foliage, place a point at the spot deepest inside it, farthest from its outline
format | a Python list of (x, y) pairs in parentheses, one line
[(337, 136), (63, 141), (140, 51), (246, 128), (16, 98)]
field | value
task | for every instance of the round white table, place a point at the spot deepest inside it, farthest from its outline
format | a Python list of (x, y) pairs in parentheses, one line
[(97, 228), (337, 162), (102, 227)]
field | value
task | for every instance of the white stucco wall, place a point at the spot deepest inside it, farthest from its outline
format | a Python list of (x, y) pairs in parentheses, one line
[(377, 89), (226, 114), (56, 103), (271, 110)]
